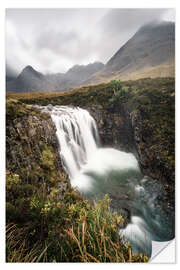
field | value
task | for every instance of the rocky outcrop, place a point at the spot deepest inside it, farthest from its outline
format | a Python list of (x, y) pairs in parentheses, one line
[(32, 146), (114, 126), (152, 162)]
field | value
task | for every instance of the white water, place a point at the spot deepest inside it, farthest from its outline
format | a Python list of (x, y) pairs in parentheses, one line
[(95, 171), (78, 137)]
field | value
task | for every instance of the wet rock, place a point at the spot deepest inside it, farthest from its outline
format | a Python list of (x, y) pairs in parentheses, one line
[(151, 162), (26, 139), (114, 127)]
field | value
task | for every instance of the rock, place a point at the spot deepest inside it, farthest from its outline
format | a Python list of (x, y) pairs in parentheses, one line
[(151, 163), (27, 137), (114, 127)]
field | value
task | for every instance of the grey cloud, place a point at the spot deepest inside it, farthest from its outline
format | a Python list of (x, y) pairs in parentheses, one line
[(54, 39), (10, 72), (57, 41), (118, 25), (121, 20)]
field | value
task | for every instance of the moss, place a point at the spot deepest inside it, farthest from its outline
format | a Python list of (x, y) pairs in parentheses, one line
[(12, 179), (16, 109), (48, 158)]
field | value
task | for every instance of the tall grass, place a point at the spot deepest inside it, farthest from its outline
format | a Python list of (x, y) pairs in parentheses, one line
[(17, 249), (91, 237), (96, 238)]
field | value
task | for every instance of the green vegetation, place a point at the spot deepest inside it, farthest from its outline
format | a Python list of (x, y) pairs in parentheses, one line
[(157, 108), (54, 228), (120, 92), (68, 230), (48, 221), (16, 109), (98, 94)]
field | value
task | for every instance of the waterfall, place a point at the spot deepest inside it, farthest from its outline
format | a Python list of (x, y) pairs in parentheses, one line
[(96, 171), (80, 151), (77, 135)]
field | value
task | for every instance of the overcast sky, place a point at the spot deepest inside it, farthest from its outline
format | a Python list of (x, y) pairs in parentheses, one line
[(53, 40)]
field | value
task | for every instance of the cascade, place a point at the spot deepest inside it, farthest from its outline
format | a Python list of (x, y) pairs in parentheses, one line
[(96, 171)]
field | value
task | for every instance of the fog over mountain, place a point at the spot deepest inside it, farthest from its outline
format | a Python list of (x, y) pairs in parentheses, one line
[(31, 80), (150, 52), (10, 73), (54, 40)]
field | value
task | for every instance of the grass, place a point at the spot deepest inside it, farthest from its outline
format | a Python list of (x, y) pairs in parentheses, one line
[(92, 95), (90, 235)]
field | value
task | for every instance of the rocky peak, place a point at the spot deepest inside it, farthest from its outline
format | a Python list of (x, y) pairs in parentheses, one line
[(30, 71)]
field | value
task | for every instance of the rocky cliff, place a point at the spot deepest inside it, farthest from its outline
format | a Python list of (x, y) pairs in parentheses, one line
[(115, 128), (32, 158), (28, 134)]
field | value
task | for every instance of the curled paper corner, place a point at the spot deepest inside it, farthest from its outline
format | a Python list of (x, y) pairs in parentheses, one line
[(163, 252)]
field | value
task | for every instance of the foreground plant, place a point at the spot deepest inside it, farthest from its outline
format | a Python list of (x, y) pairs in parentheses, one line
[(76, 232)]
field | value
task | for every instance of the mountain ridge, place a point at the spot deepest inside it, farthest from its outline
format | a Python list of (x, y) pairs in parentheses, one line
[(150, 52), (153, 45), (31, 80)]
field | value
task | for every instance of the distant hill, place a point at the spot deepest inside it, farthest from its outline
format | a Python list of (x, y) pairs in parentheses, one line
[(31, 80), (149, 53), (28, 80)]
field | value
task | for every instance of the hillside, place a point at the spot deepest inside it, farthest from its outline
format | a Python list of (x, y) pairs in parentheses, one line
[(149, 53)]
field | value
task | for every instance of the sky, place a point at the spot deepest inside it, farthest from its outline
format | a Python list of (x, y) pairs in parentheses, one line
[(54, 40)]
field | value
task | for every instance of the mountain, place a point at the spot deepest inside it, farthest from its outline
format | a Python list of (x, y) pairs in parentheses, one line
[(149, 53), (75, 76), (28, 80), (31, 80), (80, 73)]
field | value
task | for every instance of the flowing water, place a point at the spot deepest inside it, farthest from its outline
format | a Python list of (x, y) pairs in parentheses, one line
[(96, 171)]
